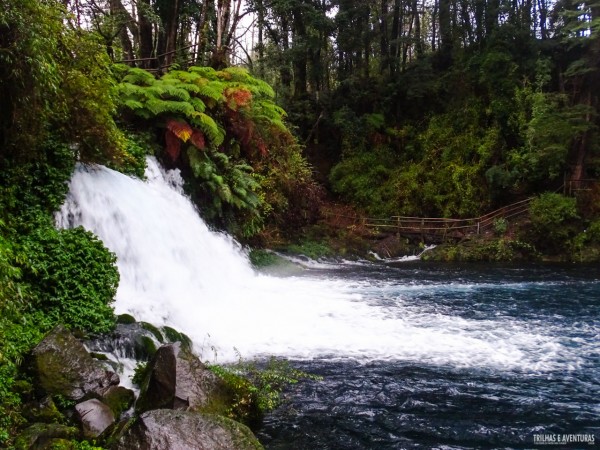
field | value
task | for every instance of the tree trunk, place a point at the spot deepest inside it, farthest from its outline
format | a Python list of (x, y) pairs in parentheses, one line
[(122, 19), (145, 35), (395, 47), (171, 46), (417, 20), (445, 33), (384, 43), (300, 55)]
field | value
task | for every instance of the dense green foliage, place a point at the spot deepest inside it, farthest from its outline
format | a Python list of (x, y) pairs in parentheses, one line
[(49, 276), (257, 389), (57, 103), (552, 218), (244, 166)]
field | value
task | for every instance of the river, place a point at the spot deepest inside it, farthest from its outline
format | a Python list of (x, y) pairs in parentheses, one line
[(538, 379), (412, 355)]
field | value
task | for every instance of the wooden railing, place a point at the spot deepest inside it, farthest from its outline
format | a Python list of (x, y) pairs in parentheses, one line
[(442, 229), (574, 187)]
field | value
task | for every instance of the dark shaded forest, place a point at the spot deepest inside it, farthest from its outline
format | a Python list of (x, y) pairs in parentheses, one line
[(442, 108)]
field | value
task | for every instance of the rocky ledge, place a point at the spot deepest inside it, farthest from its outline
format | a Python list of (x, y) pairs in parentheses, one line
[(76, 396)]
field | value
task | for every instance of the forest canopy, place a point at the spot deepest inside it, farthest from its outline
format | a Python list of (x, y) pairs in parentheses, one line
[(436, 107)]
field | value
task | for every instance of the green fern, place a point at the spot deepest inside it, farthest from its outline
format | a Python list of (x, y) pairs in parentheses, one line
[(133, 104), (270, 110), (126, 89), (139, 77), (199, 105), (167, 91), (201, 165), (205, 72), (212, 90), (225, 193), (183, 76), (221, 159), (171, 107), (240, 77), (209, 127)]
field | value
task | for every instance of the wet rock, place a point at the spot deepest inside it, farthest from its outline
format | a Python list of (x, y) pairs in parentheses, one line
[(119, 399), (44, 410), (185, 430), (62, 366), (42, 435), (128, 340), (95, 417), (136, 340), (177, 380), (125, 319)]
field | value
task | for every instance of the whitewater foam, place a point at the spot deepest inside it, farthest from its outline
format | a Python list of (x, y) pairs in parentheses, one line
[(177, 272)]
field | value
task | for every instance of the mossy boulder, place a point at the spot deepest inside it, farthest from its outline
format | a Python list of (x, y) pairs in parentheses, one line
[(177, 379), (126, 319), (43, 410), (172, 335), (119, 399), (42, 436), (168, 429), (62, 366)]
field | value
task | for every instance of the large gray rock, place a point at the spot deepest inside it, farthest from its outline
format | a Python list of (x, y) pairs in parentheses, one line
[(119, 399), (62, 366), (163, 429), (178, 380), (95, 417)]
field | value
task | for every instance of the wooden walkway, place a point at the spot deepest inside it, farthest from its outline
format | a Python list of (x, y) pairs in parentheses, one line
[(435, 230)]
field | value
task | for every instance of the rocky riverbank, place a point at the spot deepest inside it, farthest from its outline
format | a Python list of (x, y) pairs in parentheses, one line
[(75, 394)]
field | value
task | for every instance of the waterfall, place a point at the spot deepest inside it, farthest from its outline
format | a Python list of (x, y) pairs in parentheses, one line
[(175, 271)]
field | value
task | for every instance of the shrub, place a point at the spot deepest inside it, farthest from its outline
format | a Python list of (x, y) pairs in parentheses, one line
[(255, 390), (73, 277), (551, 216), (500, 226)]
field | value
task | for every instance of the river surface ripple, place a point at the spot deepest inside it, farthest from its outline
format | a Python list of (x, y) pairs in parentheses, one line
[(549, 386)]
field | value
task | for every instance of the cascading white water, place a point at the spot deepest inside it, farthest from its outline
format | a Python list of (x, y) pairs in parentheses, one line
[(175, 271)]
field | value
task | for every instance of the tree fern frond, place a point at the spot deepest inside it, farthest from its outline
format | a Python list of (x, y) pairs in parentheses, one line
[(213, 90), (173, 145), (262, 87), (270, 109), (201, 165), (133, 104), (235, 73), (158, 106), (126, 89), (279, 125), (209, 127), (181, 75), (197, 138), (205, 72), (191, 88), (258, 88), (198, 104), (180, 129), (140, 77), (168, 91)]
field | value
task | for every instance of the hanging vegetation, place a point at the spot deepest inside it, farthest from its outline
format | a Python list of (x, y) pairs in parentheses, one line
[(223, 127)]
